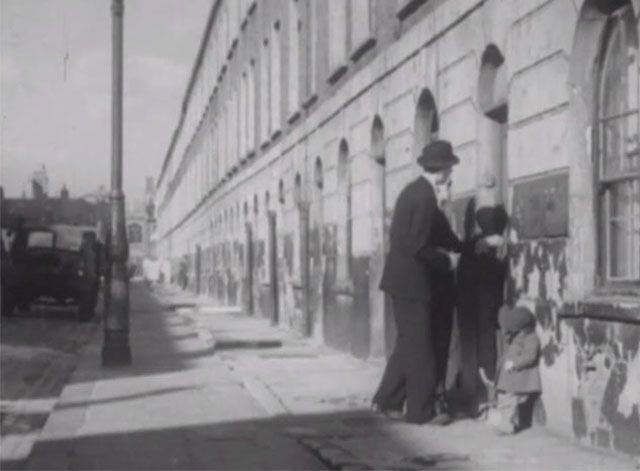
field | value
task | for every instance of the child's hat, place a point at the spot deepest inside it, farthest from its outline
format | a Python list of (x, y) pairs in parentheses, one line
[(516, 318)]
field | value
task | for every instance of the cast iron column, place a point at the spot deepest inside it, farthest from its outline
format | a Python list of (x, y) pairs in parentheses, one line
[(115, 349)]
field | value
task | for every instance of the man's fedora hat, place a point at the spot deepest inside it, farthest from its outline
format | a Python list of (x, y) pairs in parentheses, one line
[(437, 155)]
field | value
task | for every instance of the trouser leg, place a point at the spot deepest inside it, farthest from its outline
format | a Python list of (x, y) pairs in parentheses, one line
[(391, 393), (417, 356), (442, 320), (488, 305), (468, 326)]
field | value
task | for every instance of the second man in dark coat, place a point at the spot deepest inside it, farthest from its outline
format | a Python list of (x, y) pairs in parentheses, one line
[(421, 243)]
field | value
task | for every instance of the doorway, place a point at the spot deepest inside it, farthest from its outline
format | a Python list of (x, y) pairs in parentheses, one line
[(248, 273), (198, 268), (273, 266), (383, 329)]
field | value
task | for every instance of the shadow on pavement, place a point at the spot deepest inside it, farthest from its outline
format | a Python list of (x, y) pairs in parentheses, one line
[(128, 397), (156, 330), (282, 442), (246, 344)]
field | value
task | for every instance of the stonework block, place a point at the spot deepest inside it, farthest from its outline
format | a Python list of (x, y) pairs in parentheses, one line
[(361, 235), (456, 83), (549, 152), (360, 135), (330, 180), (539, 88), (454, 46), (458, 124), (464, 174), (399, 151), (399, 116), (360, 168), (549, 26), (360, 199), (529, 7)]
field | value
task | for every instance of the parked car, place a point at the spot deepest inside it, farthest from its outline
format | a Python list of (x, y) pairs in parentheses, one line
[(57, 263)]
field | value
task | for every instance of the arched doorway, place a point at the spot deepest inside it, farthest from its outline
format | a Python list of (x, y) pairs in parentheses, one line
[(316, 268), (382, 323), (493, 92), (301, 286)]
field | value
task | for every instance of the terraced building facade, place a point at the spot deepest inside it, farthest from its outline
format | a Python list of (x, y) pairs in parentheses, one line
[(301, 123)]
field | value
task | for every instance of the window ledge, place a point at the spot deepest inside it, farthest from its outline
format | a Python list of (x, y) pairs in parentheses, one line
[(363, 47), (343, 287), (275, 134), (297, 286), (293, 117), (336, 73), (406, 7), (309, 101), (614, 308)]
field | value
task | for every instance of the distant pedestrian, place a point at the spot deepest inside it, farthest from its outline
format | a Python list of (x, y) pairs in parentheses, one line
[(518, 377), (421, 245)]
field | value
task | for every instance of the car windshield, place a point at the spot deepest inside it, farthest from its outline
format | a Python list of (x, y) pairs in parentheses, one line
[(69, 237), (40, 239)]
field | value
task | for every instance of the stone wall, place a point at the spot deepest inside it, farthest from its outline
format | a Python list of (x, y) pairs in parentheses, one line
[(295, 202)]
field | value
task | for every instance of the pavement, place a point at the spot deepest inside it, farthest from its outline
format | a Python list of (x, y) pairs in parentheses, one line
[(212, 388), (39, 351)]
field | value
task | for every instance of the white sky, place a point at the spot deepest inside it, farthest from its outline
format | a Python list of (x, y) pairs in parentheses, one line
[(64, 122)]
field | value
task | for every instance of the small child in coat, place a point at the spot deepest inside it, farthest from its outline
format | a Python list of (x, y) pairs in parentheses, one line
[(518, 377)]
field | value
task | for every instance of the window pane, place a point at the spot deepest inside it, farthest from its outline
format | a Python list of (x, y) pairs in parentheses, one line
[(619, 98), (619, 148), (624, 230), (338, 31), (618, 249), (360, 22), (40, 239)]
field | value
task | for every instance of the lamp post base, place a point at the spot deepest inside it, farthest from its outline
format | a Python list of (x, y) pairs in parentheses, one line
[(115, 349)]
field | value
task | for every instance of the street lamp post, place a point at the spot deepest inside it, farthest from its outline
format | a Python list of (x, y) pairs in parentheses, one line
[(115, 348)]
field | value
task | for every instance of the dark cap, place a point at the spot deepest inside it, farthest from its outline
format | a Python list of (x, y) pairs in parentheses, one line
[(437, 155), (515, 319)]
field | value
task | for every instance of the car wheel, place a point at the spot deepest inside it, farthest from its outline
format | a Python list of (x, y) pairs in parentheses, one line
[(8, 304), (24, 305)]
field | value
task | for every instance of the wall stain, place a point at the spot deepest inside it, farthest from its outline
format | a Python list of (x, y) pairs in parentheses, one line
[(603, 354)]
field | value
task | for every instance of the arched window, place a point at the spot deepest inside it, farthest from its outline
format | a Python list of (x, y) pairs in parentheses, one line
[(295, 41), (338, 32), (251, 117), (281, 192), (493, 90), (618, 149), (275, 79), (426, 123), (318, 175), (264, 91), (297, 189), (135, 233)]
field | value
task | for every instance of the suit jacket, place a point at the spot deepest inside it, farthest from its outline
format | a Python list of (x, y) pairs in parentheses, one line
[(524, 352), (418, 229)]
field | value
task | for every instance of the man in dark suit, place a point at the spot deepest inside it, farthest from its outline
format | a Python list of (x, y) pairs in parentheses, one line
[(421, 246)]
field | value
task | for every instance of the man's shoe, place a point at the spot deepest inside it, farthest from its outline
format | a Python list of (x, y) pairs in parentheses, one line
[(389, 413), (441, 418)]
